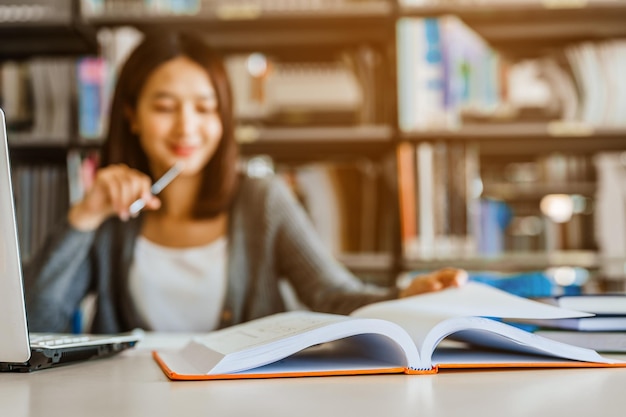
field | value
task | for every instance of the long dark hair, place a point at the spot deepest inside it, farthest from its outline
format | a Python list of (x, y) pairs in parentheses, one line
[(220, 178)]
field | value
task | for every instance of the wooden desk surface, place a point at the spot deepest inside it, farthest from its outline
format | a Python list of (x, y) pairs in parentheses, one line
[(131, 384)]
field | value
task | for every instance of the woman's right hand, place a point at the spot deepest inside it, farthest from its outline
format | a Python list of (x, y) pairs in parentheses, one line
[(114, 189)]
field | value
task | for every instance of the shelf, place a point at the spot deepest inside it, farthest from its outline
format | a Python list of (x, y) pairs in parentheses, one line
[(47, 40), (247, 27), (375, 268), (28, 141), (526, 28), (283, 144), (510, 262), (529, 138), (535, 191), (48, 28), (367, 262), (40, 150), (311, 143), (38, 153), (247, 12)]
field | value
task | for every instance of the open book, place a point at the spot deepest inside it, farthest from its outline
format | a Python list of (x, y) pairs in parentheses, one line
[(398, 336)]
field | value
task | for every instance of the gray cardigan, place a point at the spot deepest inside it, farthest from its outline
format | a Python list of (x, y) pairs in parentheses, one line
[(269, 237)]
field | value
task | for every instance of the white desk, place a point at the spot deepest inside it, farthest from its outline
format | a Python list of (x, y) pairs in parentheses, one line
[(131, 384)]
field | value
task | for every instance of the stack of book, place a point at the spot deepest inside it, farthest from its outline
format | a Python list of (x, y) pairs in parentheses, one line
[(404, 336), (604, 332)]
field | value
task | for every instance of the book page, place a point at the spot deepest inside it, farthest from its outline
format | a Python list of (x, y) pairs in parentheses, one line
[(274, 338), (331, 358), (472, 299), (336, 358), (421, 313), (266, 330), (431, 317), (476, 358), (480, 331)]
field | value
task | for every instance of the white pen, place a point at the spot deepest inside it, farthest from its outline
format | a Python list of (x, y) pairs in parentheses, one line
[(157, 187)]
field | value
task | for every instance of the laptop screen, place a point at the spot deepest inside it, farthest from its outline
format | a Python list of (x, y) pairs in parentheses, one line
[(14, 344)]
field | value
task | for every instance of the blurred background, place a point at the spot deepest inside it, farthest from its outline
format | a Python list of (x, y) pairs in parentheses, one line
[(482, 134)]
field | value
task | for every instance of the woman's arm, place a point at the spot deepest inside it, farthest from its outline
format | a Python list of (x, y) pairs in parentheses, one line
[(58, 278), (61, 274)]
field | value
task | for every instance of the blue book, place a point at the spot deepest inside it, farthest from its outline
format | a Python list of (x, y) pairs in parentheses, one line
[(532, 284), (90, 97)]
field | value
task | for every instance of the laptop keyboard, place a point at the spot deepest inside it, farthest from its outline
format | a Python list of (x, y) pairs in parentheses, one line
[(48, 340)]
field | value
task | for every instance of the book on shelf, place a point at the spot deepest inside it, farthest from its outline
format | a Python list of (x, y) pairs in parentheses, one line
[(14, 81), (610, 212), (225, 9), (342, 202), (93, 8), (438, 208), (37, 95), (274, 92), (610, 342), (91, 86), (403, 336), (444, 67), (40, 201), (407, 194), (81, 172)]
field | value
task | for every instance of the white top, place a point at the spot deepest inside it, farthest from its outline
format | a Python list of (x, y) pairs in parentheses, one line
[(179, 290)]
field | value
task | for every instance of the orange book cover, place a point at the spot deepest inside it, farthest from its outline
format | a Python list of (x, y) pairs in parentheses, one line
[(450, 329)]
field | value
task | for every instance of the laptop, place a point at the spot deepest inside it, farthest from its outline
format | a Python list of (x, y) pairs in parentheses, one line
[(19, 350)]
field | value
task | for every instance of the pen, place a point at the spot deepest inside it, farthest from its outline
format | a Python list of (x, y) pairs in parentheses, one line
[(157, 187)]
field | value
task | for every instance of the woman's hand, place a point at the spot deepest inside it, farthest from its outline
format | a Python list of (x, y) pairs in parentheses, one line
[(114, 189), (435, 281)]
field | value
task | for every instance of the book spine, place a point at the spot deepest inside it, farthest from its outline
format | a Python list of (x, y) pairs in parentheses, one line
[(91, 72), (407, 190)]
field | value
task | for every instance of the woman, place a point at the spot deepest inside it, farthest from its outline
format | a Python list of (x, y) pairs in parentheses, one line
[(209, 251)]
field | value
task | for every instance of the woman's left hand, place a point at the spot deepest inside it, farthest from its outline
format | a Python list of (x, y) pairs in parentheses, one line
[(435, 281)]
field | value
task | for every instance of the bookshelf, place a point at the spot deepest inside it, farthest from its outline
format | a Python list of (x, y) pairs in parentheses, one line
[(511, 262), (509, 191), (315, 143), (298, 28), (522, 28), (325, 33), (328, 31), (557, 155), (40, 38), (41, 153), (33, 28), (529, 138)]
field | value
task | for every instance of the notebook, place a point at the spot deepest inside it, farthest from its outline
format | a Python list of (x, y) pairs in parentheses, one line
[(19, 350)]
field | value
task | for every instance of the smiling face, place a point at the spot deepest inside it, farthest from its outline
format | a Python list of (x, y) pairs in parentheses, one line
[(177, 117)]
